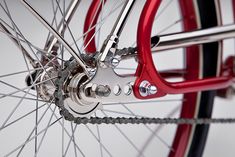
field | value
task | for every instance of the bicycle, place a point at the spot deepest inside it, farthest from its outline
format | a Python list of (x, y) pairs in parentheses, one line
[(86, 89)]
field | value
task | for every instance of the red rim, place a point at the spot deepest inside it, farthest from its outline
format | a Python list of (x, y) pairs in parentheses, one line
[(183, 133)]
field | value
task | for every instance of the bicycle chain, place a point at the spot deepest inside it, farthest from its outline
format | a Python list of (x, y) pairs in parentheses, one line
[(59, 101)]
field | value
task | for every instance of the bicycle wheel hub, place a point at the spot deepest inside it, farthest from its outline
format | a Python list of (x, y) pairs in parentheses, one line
[(67, 93)]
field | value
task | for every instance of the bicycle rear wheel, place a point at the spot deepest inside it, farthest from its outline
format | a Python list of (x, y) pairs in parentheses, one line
[(111, 140)]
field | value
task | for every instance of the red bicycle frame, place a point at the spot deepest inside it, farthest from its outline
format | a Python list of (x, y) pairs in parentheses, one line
[(146, 69)]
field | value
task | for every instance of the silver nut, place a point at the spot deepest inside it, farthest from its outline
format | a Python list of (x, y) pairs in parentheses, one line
[(147, 89)]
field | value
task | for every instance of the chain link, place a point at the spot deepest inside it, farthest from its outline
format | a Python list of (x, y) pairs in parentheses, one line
[(59, 101)]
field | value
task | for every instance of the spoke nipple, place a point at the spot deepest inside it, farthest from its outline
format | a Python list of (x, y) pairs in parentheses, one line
[(147, 89)]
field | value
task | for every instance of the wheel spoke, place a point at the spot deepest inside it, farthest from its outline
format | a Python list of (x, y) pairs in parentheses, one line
[(101, 22), (18, 89), (97, 139), (14, 109), (125, 136), (28, 87), (21, 147), (154, 133), (67, 132), (70, 140), (45, 132), (29, 46), (20, 118)]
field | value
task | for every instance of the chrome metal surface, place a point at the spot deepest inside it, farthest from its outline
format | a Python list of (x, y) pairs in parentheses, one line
[(74, 104), (115, 62), (57, 36), (146, 89), (112, 39), (62, 26), (185, 39), (47, 89), (117, 85)]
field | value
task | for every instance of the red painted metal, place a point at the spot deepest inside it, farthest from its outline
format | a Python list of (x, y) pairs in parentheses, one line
[(183, 133), (89, 25), (147, 70)]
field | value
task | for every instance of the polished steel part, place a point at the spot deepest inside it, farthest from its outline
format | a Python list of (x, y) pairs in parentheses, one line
[(185, 39), (47, 89), (116, 84), (67, 96), (147, 89), (57, 35), (112, 40), (74, 104), (62, 25)]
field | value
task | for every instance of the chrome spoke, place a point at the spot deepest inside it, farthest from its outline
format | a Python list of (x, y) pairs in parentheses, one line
[(70, 140), (101, 22), (14, 109), (157, 129), (93, 134), (18, 89), (68, 134), (20, 118), (15, 28), (163, 10), (29, 46), (170, 26), (64, 22), (56, 34), (45, 132), (29, 139), (74, 142), (99, 138), (28, 87), (32, 138), (101, 18), (19, 72), (149, 129), (34, 129), (18, 40), (125, 136)]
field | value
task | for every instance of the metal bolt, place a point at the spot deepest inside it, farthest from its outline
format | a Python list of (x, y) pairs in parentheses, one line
[(152, 89), (103, 91), (147, 89), (115, 62)]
